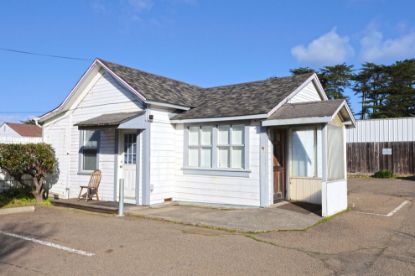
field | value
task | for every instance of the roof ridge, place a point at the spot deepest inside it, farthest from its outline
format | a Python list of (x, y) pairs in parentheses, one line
[(149, 73), (257, 81)]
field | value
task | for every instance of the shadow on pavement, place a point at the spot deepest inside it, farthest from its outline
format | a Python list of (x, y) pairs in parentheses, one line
[(302, 207), (12, 248)]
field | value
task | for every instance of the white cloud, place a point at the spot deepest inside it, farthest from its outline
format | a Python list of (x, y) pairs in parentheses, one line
[(141, 5), (328, 49), (375, 48)]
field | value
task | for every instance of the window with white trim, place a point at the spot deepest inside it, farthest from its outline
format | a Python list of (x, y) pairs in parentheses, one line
[(200, 147), (89, 150), (216, 147), (231, 146)]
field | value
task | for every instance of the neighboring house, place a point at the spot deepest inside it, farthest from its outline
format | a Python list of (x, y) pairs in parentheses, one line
[(379, 144), (15, 133), (20, 130), (249, 144)]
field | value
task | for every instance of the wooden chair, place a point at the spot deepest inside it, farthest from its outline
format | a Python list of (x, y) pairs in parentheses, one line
[(92, 188)]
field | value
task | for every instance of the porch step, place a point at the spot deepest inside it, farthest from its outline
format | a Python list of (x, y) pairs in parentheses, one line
[(108, 207)]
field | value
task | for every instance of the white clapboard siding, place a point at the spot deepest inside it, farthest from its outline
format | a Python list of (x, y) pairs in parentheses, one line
[(162, 157), (105, 96), (219, 189), (20, 140), (308, 94), (382, 130), (57, 135)]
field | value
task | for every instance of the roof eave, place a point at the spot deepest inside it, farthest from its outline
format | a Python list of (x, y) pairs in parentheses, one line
[(219, 119)]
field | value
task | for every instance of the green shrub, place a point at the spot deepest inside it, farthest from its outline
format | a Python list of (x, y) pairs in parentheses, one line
[(36, 160), (19, 197), (383, 174)]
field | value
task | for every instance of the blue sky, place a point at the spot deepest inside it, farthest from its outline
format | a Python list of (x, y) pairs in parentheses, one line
[(198, 41)]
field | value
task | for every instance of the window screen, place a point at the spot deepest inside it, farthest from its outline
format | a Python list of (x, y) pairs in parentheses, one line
[(89, 150)]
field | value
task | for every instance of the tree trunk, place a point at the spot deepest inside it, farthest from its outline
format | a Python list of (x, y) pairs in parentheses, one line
[(38, 189)]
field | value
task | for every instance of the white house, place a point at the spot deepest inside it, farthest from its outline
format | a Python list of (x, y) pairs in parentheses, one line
[(20, 133), (249, 144)]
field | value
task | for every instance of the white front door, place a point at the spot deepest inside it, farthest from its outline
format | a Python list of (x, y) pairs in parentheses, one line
[(128, 168)]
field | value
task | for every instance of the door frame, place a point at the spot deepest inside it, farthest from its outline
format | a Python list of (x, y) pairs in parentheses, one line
[(119, 160)]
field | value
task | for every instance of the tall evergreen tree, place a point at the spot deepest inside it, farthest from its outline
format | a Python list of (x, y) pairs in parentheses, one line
[(301, 70), (335, 79), (371, 83), (400, 101)]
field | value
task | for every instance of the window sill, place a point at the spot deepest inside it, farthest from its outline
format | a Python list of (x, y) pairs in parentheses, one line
[(216, 172), (85, 172)]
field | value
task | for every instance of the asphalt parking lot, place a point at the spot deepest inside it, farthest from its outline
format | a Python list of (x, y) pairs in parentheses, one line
[(364, 241)]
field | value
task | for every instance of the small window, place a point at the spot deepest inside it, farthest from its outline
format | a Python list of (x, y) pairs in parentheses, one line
[(304, 153), (200, 147), (231, 146), (89, 150), (130, 148)]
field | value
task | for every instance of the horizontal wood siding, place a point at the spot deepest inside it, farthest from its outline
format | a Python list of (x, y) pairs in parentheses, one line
[(367, 158), (308, 94), (219, 189), (105, 96), (163, 157), (57, 135)]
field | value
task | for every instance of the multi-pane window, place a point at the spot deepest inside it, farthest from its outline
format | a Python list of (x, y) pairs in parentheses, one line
[(231, 146), (130, 148), (220, 147), (89, 150), (200, 147)]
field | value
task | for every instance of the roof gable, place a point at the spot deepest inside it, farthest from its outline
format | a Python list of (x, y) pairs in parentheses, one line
[(243, 99)]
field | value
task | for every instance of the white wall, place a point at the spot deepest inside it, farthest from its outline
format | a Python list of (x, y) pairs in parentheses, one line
[(334, 197), (57, 133), (20, 140), (308, 94), (6, 131), (382, 130), (219, 189), (163, 157), (103, 96)]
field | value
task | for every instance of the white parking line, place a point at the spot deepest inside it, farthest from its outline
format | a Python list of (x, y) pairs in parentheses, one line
[(391, 213), (50, 244)]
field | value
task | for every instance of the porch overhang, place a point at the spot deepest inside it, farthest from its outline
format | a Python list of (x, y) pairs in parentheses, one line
[(127, 120), (321, 112)]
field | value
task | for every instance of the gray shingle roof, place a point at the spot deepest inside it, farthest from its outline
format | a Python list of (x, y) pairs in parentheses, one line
[(251, 98), (156, 88), (306, 110), (107, 120)]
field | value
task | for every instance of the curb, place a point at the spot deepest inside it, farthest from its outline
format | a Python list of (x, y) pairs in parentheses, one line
[(17, 210)]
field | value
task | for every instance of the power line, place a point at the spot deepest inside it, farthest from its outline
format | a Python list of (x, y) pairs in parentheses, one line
[(43, 55), (19, 112)]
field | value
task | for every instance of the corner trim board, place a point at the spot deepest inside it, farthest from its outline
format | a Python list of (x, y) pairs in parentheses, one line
[(263, 168)]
